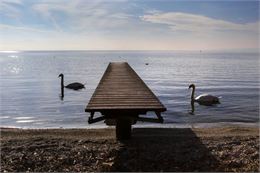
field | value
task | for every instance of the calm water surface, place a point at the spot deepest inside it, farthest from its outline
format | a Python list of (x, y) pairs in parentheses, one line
[(30, 86)]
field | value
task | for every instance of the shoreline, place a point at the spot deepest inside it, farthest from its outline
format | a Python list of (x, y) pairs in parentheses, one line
[(150, 149), (152, 125)]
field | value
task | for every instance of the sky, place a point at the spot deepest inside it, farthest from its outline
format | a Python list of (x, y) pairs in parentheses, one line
[(128, 25)]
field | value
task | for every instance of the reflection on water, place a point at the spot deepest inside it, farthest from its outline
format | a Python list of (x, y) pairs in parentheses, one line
[(23, 118), (30, 87), (192, 108), (61, 96), (15, 70)]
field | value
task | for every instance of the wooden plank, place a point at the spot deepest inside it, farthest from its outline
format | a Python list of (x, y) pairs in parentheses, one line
[(121, 96), (118, 107), (152, 104), (120, 88), (123, 99)]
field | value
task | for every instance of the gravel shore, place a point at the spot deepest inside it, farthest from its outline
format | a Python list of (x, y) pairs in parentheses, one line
[(150, 149)]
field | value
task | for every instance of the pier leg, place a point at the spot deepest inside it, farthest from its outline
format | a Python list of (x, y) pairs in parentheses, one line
[(123, 128)]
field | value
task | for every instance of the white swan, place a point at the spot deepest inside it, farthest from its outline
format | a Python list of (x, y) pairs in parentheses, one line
[(204, 99), (74, 86)]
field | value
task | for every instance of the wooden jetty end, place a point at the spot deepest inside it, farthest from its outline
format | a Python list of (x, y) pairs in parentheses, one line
[(121, 96)]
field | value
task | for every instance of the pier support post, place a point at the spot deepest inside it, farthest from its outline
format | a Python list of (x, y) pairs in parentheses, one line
[(123, 128)]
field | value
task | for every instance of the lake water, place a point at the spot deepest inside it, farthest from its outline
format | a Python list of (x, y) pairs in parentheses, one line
[(30, 86)]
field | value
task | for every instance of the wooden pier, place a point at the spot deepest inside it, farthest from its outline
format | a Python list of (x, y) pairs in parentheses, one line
[(121, 96)]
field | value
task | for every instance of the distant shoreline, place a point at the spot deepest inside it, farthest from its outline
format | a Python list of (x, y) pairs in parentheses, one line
[(177, 51)]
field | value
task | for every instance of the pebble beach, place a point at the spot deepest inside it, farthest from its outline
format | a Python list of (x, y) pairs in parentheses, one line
[(218, 149)]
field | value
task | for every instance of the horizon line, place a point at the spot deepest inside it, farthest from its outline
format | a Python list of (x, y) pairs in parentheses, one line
[(71, 50)]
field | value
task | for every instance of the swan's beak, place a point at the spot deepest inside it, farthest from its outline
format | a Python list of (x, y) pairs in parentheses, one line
[(191, 86)]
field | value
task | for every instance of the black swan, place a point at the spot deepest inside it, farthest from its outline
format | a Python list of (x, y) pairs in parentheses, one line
[(74, 86)]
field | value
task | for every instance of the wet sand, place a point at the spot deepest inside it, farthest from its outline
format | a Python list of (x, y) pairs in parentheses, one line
[(150, 149)]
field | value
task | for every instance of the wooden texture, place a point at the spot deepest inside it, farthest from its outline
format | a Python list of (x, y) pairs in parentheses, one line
[(121, 88)]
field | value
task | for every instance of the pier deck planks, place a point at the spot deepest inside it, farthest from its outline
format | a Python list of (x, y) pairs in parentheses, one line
[(121, 88)]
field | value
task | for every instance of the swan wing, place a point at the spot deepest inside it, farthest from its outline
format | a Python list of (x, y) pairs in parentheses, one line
[(75, 86), (207, 99)]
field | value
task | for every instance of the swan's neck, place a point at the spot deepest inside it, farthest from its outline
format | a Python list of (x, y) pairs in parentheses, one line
[(192, 107), (62, 82), (192, 94), (62, 87)]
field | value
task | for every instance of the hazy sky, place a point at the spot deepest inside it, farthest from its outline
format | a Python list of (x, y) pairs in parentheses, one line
[(128, 25)]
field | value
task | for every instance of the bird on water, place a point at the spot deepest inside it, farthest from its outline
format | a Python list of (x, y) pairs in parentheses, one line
[(74, 86), (204, 99)]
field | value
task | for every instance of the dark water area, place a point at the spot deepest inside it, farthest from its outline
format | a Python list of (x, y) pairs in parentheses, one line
[(30, 86)]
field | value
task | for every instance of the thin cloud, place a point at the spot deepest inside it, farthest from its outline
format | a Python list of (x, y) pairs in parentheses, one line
[(196, 23), (21, 28), (16, 2), (80, 15), (8, 8), (46, 10)]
